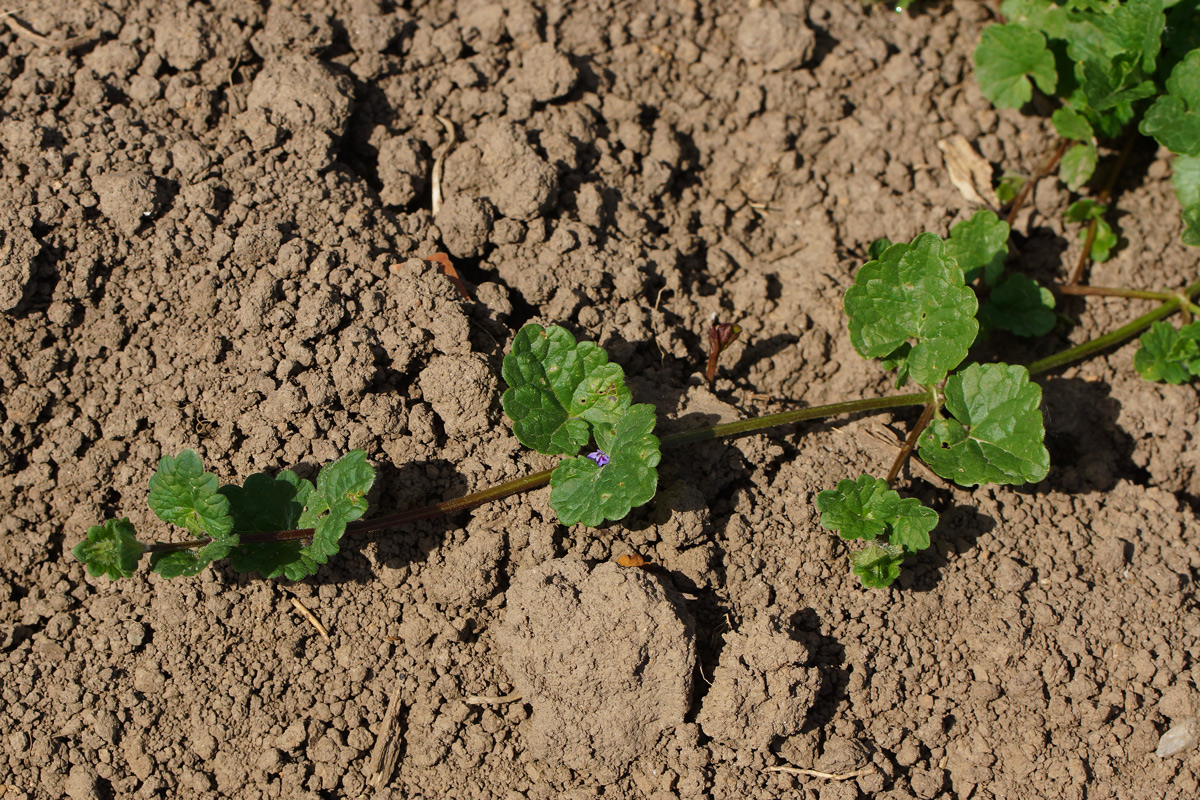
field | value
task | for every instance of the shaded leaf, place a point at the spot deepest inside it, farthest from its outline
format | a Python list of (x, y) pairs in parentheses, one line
[(262, 505), (877, 566), (980, 246), (1021, 306)]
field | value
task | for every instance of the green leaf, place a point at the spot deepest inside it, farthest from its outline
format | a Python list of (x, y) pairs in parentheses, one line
[(915, 291), (338, 499), (1174, 119), (1006, 54), (1169, 354), (1077, 165), (1070, 124), (583, 491), (912, 524), (559, 389), (1020, 305), (878, 247), (265, 504), (110, 549), (1112, 84), (980, 245), (1191, 225), (1041, 14), (867, 508), (1009, 187), (898, 360), (183, 494), (1185, 177), (191, 562), (877, 566), (995, 431), (858, 509), (1134, 27), (1103, 242), (1182, 34), (1084, 211)]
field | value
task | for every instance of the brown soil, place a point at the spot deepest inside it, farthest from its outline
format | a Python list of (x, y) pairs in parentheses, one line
[(215, 218)]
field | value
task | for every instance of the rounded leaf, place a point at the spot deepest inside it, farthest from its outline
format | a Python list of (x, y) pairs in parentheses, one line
[(583, 491), (995, 433), (559, 388), (915, 291)]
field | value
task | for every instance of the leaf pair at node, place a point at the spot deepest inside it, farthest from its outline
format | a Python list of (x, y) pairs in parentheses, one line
[(895, 527), (1169, 354), (1015, 302), (563, 394), (911, 307), (183, 494)]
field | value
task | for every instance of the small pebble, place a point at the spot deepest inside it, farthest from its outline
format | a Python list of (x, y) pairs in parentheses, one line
[(1182, 736)]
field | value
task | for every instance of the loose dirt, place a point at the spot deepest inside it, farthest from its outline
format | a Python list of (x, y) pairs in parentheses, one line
[(216, 223)]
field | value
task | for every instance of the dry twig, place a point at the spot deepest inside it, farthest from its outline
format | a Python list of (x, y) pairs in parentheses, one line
[(812, 773), (439, 162), (316, 623), (484, 700), (22, 29)]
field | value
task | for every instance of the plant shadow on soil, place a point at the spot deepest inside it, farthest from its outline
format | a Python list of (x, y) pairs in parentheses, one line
[(438, 480)]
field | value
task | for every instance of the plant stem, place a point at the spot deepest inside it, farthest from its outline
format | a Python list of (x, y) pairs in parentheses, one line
[(1102, 198), (1171, 303), (789, 417), (1042, 172), (1108, 291), (911, 442), (1121, 334)]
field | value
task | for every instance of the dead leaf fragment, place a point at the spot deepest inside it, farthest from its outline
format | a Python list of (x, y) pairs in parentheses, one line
[(970, 173), (446, 268), (633, 560)]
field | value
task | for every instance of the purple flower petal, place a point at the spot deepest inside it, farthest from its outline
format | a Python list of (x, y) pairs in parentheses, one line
[(599, 457)]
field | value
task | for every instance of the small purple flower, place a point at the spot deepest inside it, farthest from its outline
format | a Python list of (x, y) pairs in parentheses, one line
[(599, 457)]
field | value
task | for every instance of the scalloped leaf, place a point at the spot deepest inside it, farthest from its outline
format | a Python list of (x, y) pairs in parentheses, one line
[(338, 499), (1185, 177), (1006, 57), (1021, 306), (1070, 124), (183, 494), (980, 246), (110, 549), (583, 491), (915, 291), (1077, 165), (559, 389), (1174, 119), (995, 433), (264, 504), (877, 565), (1169, 354), (866, 508)]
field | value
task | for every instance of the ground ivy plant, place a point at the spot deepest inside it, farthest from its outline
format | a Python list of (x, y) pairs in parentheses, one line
[(1115, 68), (914, 307)]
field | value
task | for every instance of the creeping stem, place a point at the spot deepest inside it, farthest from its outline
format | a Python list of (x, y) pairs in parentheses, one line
[(1127, 331), (1170, 304)]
